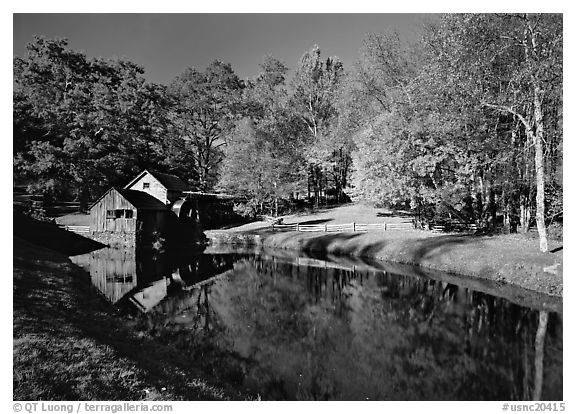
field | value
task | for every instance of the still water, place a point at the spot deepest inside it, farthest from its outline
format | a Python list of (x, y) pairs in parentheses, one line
[(285, 326)]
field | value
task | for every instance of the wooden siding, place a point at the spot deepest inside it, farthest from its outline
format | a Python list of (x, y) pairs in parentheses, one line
[(121, 225), (113, 200), (156, 188)]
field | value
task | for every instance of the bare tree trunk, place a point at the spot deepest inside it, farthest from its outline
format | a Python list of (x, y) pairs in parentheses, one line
[(479, 201), (275, 199), (539, 162), (506, 220), (524, 214), (539, 355)]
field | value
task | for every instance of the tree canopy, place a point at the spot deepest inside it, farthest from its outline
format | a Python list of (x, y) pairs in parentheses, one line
[(463, 123)]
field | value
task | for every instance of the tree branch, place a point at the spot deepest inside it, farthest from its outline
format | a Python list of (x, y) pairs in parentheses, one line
[(511, 110)]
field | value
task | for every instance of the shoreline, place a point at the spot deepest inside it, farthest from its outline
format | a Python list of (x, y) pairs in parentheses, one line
[(62, 330), (504, 259)]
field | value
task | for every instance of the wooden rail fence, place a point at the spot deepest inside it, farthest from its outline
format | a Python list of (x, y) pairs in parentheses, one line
[(439, 228), (76, 229), (353, 227)]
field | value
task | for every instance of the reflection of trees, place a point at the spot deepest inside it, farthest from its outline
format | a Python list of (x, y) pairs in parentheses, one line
[(326, 333), (539, 354)]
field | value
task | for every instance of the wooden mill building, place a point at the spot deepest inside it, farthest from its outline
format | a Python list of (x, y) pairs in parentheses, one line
[(155, 206), (150, 208)]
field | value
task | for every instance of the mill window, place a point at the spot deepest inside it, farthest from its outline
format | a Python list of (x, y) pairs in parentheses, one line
[(120, 213)]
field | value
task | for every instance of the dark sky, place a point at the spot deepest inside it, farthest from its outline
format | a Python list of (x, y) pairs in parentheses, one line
[(166, 44)]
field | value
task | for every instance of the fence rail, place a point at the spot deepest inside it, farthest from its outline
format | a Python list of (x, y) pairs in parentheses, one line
[(76, 229), (439, 228), (353, 227)]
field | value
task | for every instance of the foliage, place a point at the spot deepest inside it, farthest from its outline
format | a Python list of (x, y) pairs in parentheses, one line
[(204, 108), (454, 120), (463, 124), (82, 124), (315, 91), (263, 155)]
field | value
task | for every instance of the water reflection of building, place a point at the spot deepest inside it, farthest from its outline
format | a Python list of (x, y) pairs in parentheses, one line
[(113, 272), (144, 279)]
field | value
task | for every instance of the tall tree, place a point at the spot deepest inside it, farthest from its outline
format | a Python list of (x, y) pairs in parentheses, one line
[(206, 105), (478, 108), (515, 62), (263, 155), (314, 96)]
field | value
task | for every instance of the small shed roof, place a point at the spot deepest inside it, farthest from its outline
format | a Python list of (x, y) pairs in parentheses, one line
[(139, 199), (142, 200), (169, 181)]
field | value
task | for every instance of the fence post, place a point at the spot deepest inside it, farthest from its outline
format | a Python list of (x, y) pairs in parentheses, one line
[(384, 226), (354, 226), (325, 228), (297, 226), (272, 226)]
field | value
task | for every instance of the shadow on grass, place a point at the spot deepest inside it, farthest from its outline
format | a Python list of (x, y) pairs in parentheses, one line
[(319, 221), (320, 209), (436, 246), (395, 213), (321, 245), (51, 236), (414, 251)]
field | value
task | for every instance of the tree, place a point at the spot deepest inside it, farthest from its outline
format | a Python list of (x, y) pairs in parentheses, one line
[(314, 91), (397, 157), (478, 107), (263, 157), (82, 124), (515, 62), (206, 105)]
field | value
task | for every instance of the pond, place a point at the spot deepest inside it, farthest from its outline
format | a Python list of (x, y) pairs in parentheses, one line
[(286, 326)]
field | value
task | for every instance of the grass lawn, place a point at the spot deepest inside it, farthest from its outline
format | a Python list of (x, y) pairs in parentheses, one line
[(347, 213), (74, 219)]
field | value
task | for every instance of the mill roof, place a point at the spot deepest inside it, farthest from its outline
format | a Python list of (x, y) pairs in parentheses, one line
[(139, 199), (169, 181), (142, 200)]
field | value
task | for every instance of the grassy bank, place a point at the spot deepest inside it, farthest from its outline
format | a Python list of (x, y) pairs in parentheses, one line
[(69, 344), (513, 258), (51, 236)]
